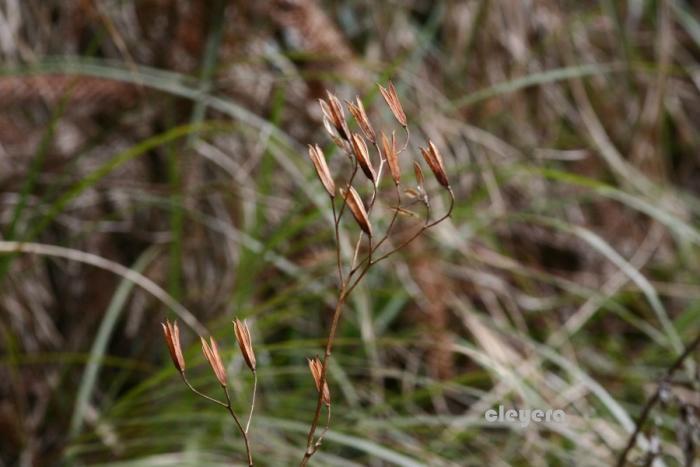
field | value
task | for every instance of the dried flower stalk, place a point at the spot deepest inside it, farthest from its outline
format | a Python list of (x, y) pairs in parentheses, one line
[(211, 353), (375, 252)]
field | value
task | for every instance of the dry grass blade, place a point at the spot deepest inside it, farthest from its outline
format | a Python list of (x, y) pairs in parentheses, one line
[(357, 208), (359, 148), (172, 338), (319, 160), (358, 111), (240, 329), (392, 157), (434, 160), (316, 368), (392, 100), (211, 352)]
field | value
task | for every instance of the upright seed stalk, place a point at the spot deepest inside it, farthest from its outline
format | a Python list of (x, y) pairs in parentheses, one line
[(355, 146)]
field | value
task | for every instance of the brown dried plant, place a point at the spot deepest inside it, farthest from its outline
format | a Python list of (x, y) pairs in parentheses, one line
[(376, 248), (211, 353)]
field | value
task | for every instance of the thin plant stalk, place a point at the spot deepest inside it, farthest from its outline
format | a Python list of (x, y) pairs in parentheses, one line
[(359, 269)]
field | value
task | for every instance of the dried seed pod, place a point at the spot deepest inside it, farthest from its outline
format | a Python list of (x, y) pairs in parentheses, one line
[(392, 100), (211, 352), (328, 119), (240, 329), (335, 114), (359, 148), (420, 179), (319, 160), (316, 368), (392, 157), (358, 111), (357, 208), (434, 160), (172, 338)]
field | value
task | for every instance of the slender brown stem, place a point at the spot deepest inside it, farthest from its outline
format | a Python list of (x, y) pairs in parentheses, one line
[(336, 220), (646, 411), (343, 203), (329, 348), (421, 230), (393, 217), (342, 297), (204, 396), (229, 407), (348, 284)]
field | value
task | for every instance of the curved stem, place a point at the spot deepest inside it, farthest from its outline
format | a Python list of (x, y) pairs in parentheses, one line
[(211, 399), (343, 202), (319, 402), (393, 218), (252, 402), (229, 407), (421, 230)]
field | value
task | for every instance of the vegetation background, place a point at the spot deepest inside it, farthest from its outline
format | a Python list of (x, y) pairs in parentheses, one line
[(167, 138)]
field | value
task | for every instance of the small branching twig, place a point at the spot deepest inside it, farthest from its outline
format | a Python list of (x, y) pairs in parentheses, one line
[(656, 397), (211, 353), (355, 146)]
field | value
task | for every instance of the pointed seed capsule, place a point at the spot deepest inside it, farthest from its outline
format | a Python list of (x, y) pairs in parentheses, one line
[(172, 339), (392, 100), (392, 157), (434, 160), (359, 148), (319, 161), (211, 352), (316, 368), (357, 208), (358, 111), (240, 329)]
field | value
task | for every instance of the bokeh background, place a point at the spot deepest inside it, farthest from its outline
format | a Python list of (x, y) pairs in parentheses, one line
[(168, 137)]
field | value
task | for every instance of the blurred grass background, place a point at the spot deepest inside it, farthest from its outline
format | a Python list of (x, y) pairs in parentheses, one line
[(168, 138)]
